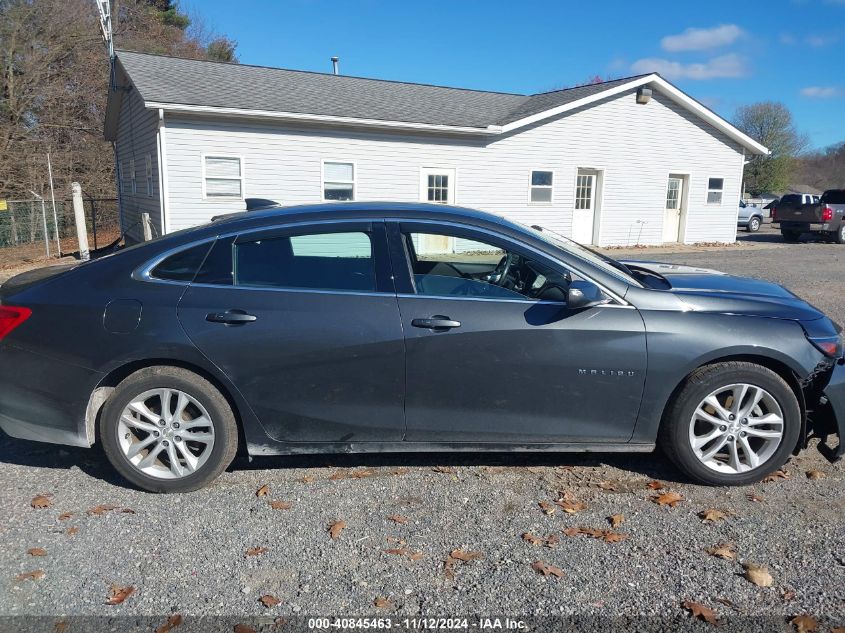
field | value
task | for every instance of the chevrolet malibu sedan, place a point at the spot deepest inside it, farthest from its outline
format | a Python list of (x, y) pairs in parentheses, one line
[(372, 327)]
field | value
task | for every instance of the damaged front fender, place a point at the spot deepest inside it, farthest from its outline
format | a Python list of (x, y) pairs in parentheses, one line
[(827, 417)]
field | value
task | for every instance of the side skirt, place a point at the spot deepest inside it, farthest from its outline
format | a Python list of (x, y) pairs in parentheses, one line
[(295, 448)]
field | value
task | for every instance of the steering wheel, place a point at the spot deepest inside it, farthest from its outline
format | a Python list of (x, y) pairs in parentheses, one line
[(502, 269)]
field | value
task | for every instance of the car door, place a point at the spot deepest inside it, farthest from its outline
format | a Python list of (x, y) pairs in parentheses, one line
[(304, 322), (495, 361)]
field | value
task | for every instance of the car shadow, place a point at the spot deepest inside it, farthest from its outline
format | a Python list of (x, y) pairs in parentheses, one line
[(93, 462)]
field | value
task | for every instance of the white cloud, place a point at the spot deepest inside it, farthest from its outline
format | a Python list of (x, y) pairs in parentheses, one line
[(731, 65), (820, 92), (788, 39), (700, 39), (817, 41)]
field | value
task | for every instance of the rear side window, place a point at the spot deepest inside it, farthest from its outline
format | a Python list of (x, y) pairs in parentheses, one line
[(318, 261), (181, 266), (834, 196), (791, 198)]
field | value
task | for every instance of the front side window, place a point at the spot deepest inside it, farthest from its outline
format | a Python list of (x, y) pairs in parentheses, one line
[(714, 190), (541, 186), (338, 181), (223, 177), (317, 261), (445, 265)]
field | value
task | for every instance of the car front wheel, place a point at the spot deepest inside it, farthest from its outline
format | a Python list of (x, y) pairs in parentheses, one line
[(166, 429), (753, 225), (731, 424)]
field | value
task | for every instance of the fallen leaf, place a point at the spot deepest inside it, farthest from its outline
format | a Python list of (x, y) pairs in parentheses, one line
[(547, 570), (444, 469), (263, 491), (789, 595), (547, 507), (41, 501), (382, 603), (613, 537), (255, 551), (616, 520), (119, 594), (465, 556), (449, 567), (607, 536), (362, 474), (758, 575), (778, 474), (243, 628), (400, 471), (804, 623), (609, 485), (281, 505), (712, 515), (36, 551), (37, 574), (308, 479), (670, 499), (655, 485), (404, 551), (815, 474), (64, 516), (700, 611), (398, 518), (269, 601), (571, 507), (337, 476), (534, 540), (100, 509), (838, 629), (60, 627), (754, 497), (72, 530), (725, 602), (723, 550), (336, 528), (127, 511), (172, 622)]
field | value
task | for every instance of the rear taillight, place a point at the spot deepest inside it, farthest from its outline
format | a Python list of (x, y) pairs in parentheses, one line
[(774, 212), (827, 213), (11, 317)]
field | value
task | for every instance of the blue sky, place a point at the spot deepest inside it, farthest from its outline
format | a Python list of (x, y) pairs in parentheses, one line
[(724, 53)]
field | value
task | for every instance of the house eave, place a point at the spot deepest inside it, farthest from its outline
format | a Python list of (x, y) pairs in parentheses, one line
[(182, 108)]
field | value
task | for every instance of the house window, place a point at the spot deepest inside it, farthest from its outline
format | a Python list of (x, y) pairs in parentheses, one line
[(541, 186), (149, 173), (673, 193), (132, 176), (584, 191), (437, 187), (715, 186), (223, 177), (338, 181)]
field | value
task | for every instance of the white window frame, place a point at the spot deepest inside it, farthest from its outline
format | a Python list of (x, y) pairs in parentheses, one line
[(353, 182), (242, 178), (708, 190), (532, 187), (134, 188), (148, 170)]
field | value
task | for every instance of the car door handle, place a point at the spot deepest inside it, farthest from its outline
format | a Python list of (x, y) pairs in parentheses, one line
[(437, 322), (230, 317)]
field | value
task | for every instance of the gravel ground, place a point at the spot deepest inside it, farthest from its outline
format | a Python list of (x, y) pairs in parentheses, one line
[(186, 554)]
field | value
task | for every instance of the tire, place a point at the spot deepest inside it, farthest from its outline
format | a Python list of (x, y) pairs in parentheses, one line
[(839, 236), (210, 454), (753, 225), (679, 426), (790, 235)]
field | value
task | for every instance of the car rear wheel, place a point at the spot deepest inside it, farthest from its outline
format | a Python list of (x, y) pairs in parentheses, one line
[(790, 235), (731, 424), (166, 429), (753, 225), (840, 234)]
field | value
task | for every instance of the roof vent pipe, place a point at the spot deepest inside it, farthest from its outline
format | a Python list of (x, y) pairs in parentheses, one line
[(335, 60)]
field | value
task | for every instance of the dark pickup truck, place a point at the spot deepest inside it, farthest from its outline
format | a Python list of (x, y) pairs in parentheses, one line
[(796, 215)]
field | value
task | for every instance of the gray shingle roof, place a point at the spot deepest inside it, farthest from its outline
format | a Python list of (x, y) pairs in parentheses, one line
[(196, 82)]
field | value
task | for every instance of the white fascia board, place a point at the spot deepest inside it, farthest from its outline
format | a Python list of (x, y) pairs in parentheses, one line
[(318, 118)]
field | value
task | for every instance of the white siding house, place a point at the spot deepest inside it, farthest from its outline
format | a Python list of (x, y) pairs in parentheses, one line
[(624, 162)]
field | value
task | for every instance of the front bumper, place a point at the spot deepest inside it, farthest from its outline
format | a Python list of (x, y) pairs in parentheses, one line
[(43, 399), (829, 417)]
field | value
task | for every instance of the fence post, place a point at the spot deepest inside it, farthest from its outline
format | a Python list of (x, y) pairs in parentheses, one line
[(79, 215)]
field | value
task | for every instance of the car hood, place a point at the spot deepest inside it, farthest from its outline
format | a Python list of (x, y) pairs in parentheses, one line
[(705, 290)]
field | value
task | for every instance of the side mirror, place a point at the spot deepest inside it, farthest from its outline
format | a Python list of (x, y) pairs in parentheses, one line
[(584, 294)]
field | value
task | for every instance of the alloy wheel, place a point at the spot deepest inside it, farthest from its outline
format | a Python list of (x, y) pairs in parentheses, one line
[(736, 428), (166, 433)]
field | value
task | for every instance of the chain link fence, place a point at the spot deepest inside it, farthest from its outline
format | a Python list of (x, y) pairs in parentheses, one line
[(30, 231)]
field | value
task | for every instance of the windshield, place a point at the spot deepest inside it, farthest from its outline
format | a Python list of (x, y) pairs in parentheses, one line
[(603, 262)]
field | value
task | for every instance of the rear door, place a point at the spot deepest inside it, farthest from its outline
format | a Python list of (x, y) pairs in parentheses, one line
[(304, 321), (493, 353)]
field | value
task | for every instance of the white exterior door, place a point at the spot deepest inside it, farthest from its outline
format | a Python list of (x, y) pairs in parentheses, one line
[(672, 212), (584, 215)]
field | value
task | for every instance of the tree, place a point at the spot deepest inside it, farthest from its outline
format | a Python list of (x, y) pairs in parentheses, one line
[(770, 123), (824, 168)]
